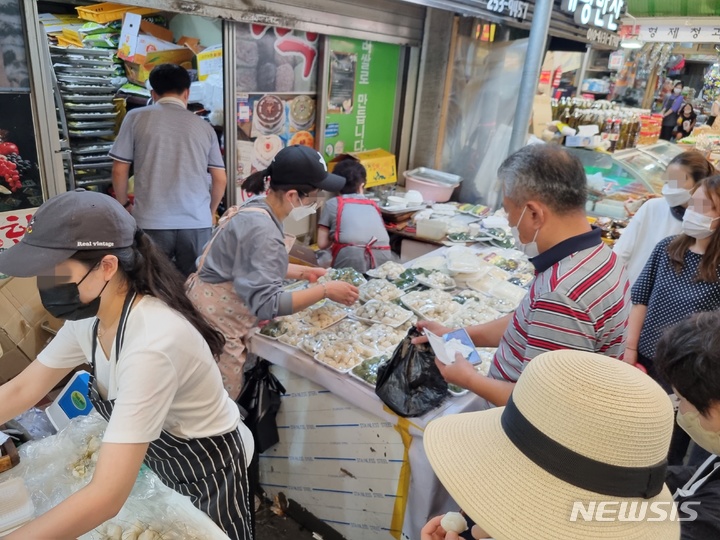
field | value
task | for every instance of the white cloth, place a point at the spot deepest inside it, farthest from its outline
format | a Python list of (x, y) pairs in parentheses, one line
[(652, 223), (166, 377)]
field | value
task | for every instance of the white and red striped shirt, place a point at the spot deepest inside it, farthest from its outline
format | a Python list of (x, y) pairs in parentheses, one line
[(579, 299)]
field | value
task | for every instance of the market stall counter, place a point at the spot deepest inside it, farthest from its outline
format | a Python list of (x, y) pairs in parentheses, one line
[(342, 453)]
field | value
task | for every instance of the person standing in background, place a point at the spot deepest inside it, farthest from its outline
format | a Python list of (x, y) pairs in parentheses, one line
[(662, 217), (362, 242), (714, 111), (686, 121), (670, 109), (171, 150)]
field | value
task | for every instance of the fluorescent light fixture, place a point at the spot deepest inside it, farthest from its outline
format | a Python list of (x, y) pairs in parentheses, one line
[(631, 43)]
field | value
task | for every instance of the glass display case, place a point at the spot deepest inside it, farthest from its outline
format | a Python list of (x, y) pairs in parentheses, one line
[(614, 178)]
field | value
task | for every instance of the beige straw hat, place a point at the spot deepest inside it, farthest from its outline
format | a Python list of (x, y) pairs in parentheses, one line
[(601, 426)]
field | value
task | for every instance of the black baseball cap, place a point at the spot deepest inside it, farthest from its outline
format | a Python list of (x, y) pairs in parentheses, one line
[(298, 165), (74, 221)]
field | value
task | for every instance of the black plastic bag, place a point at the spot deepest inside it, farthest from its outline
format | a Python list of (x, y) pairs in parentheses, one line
[(260, 397), (410, 383)]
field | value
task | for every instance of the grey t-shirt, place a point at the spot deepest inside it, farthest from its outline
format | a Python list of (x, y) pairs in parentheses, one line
[(360, 223), (359, 226), (250, 252), (172, 150)]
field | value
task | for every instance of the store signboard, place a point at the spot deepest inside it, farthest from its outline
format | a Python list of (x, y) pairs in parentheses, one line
[(667, 33), (595, 35), (513, 8), (361, 96), (603, 14)]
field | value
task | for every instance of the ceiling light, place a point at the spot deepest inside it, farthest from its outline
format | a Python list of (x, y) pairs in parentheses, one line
[(631, 43)]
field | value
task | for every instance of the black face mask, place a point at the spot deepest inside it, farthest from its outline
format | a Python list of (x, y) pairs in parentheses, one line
[(63, 301)]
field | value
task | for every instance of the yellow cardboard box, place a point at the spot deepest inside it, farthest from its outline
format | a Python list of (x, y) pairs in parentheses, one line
[(380, 164)]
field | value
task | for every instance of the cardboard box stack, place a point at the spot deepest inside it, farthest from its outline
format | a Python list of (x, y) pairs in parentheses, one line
[(25, 326)]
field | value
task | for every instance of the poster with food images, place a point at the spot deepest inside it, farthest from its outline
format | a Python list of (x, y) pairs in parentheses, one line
[(276, 74), (20, 186), (272, 122)]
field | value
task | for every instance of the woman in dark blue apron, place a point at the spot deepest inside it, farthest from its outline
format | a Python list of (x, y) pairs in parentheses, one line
[(155, 378)]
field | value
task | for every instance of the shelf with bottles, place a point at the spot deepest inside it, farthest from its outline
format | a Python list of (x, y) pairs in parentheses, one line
[(621, 127)]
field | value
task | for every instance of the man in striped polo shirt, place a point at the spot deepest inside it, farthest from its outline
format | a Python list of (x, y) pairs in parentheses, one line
[(580, 297)]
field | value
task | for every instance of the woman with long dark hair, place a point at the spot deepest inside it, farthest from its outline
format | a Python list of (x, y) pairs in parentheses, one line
[(662, 217), (152, 359), (681, 278)]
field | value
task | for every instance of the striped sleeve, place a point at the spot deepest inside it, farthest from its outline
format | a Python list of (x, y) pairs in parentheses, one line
[(556, 322)]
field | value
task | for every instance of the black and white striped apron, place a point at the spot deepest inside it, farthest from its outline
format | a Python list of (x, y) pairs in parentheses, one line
[(210, 470)]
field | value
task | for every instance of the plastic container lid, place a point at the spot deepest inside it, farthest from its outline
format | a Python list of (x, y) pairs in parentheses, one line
[(434, 177), (16, 508)]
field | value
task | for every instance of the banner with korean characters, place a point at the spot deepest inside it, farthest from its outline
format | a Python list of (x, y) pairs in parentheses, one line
[(675, 33), (361, 96), (12, 228), (604, 14)]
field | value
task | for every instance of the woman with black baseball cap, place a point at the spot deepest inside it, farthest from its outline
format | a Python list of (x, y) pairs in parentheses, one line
[(152, 357), (240, 275)]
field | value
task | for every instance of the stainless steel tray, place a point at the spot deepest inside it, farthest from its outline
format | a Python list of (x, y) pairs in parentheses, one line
[(435, 177)]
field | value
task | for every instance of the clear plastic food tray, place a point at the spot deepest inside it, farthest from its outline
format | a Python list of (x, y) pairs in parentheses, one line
[(429, 282), (342, 356), (16, 507), (379, 289), (325, 315), (400, 317)]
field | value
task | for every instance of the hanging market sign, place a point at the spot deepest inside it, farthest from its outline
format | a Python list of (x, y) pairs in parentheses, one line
[(515, 8), (603, 14), (604, 38), (678, 34)]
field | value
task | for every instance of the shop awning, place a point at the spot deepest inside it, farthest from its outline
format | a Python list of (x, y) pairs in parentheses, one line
[(673, 8)]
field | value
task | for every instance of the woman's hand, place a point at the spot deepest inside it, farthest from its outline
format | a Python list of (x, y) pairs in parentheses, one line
[(313, 274), (631, 356), (434, 327), (433, 531), (341, 292)]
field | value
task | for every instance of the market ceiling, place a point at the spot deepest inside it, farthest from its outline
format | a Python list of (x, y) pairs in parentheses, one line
[(673, 8)]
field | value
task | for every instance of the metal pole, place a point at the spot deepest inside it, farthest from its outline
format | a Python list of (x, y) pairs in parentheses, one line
[(531, 72), (584, 68)]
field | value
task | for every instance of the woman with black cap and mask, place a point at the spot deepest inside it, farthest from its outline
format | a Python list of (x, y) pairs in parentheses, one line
[(240, 275), (152, 358)]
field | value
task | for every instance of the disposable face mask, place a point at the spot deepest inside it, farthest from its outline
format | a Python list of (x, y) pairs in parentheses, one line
[(697, 225), (301, 212), (677, 90), (63, 301), (675, 196), (530, 249), (690, 422)]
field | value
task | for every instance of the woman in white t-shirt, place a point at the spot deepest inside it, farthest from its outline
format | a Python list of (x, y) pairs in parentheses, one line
[(155, 378), (659, 218)]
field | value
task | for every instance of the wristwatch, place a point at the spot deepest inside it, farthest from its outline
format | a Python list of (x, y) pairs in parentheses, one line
[(128, 203)]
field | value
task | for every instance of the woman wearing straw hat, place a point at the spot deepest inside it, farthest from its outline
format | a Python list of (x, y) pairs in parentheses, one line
[(569, 458)]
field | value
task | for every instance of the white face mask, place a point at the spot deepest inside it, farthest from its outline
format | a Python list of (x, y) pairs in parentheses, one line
[(675, 196), (697, 225), (299, 213), (690, 422), (677, 90), (530, 249)]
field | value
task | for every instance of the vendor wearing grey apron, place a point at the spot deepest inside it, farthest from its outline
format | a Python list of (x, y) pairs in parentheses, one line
[(240, 275), (154, 375), (352, 226)]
